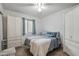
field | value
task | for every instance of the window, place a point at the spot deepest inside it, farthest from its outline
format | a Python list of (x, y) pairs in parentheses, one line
[(28, 26), (25, 26)]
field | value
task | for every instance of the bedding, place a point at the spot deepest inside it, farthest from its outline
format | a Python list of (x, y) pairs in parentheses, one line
[(31, 37), (55, 41), (39, 47)]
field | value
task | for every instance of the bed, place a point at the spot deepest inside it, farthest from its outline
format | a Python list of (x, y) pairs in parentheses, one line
[(53, 36)]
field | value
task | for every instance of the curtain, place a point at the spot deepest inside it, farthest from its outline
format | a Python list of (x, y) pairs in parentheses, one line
[(1, 32), (34, 29), (24, 25)]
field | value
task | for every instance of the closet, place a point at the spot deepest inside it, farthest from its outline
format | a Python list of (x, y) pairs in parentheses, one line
[(14, 31), (71, 42)]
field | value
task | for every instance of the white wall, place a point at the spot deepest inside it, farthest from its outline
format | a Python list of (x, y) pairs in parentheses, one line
[(1, 9), (55, 22)]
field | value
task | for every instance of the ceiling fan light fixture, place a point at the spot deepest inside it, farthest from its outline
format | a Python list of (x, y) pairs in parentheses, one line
[(39, 6)]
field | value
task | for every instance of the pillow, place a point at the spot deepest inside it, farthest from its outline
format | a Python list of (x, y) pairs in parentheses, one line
[(51, 34), (44, 33)]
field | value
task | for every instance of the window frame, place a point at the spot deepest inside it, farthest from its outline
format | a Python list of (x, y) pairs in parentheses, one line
[(33, 30)]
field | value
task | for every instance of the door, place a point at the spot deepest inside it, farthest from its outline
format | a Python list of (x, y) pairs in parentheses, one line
[(71, 42), (76, 31), (14, 31)]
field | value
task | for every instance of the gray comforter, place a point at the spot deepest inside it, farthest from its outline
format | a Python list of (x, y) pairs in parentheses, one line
[(54, 43)]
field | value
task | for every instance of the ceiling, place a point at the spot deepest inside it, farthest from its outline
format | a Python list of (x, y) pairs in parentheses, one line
[(29, 9)]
